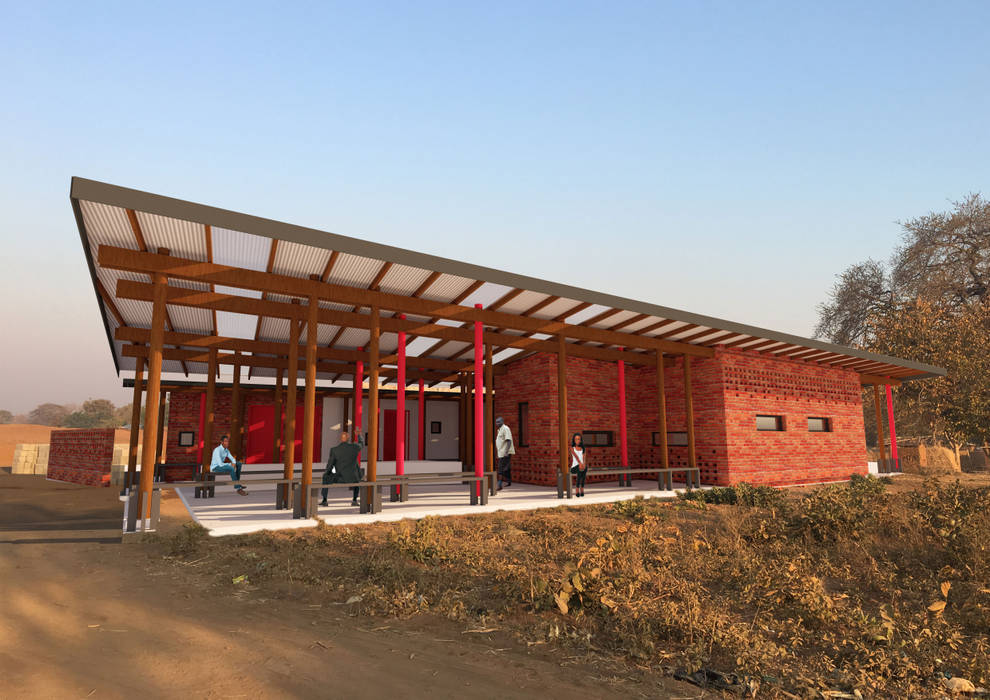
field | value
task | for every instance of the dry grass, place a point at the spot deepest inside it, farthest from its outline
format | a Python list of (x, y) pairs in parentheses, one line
[(843, 587)]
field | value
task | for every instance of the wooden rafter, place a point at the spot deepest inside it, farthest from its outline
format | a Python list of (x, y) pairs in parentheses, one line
[(143, 246), (109, 303), (264, 295), (208, 231), (655, 326)]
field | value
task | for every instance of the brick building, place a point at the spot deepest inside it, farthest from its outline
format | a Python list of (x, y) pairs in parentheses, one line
[(187, 292)]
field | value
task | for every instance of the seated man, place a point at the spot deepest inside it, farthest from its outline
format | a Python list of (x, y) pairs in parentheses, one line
[(344, 466), (224, 463)]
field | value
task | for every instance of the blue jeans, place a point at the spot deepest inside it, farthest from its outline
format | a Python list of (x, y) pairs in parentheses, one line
[(233, 470)]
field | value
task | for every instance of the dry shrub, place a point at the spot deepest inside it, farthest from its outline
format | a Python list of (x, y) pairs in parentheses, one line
[(848, 587)]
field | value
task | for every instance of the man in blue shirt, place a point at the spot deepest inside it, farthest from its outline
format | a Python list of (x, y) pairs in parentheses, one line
[(225, 463)]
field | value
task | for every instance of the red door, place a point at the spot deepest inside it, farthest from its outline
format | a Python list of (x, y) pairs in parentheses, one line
[(317, 433), (260, 435), (389, 447)]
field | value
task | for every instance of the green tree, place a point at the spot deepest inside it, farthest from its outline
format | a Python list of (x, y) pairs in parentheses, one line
[(6, 417), (100, 411), (48, 414), (81, 419)]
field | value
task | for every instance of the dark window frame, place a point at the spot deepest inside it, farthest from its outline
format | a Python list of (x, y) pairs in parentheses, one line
[(826, 424), (593, 442), (671, 440), (780, 425), (522, 424)]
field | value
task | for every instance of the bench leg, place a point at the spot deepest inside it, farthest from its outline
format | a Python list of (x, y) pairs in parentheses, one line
[(484, 495), (376, 505), (132, 509), (363, 502), (296, 502), (395, 493), (403, 493), (156, 509), (473, 492), (560, 485)]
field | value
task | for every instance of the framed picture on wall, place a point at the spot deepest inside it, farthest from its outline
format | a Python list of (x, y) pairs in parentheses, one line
[(187, 438), (434, 427)]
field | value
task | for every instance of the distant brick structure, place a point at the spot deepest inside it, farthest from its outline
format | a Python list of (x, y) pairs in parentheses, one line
[(728, 390), (81, 456)]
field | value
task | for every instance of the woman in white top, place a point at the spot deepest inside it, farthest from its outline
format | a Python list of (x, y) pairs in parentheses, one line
[(579, 461)]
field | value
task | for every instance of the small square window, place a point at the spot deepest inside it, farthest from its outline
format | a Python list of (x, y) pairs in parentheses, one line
[(434, 427), (819, 425), (674, 439), (187, 438), (598, 438), (770, 423)]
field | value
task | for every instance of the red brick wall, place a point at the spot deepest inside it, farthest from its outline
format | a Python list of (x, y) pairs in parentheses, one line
[(184, 416), (81, 456), (796, 390), (728, 391)]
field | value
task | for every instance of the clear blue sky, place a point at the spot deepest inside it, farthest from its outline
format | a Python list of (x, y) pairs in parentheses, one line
[(722, 157)]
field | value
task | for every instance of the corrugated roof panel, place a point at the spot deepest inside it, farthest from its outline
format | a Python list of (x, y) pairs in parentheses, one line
[(615, 319), (232, 325), (416, 346), (486, 294), (238, 292), (587, 314), (522, 302), (666, 329), (189, 284), (556, 308), (298, 260), (274, 330), (686, 332), (172, 366), (648, 321), (353, 338), (324, 333), (107, 225), (137, 314), (388, 343), (335, 306), (505, 354), (184, 239), (198, 368), (452, 348), (241, 249), (186, 319), (447, 288), (402, 279), (354, 270)]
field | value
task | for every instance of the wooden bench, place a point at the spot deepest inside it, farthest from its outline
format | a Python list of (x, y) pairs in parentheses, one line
[(371, 491), (132, 496), (665, 481)]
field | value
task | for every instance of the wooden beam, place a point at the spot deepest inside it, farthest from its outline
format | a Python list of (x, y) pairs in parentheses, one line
[(328, 268), (235, 410), (654, 326), (109, 303), (264, 295), (179, 296), (292, 380), (263, 347), (277, 438), (134, 261), (662, 419), (208, 232), (876, 379)]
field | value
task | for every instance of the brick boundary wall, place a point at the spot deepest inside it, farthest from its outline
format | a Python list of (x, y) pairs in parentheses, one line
[(81, 456)]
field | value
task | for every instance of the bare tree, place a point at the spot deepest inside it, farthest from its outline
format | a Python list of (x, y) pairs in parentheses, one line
[(862, 293)]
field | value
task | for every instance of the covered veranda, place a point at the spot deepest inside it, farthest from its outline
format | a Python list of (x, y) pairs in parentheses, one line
[(187, 289)]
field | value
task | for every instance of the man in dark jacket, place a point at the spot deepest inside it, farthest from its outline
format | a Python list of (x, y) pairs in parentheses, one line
[(344, 466)]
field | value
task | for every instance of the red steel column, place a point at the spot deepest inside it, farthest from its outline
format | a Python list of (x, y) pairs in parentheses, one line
[(400, 406), (479, 397), (202, 427), (895, 464), (422, 422), (358, 396), (623, 445)]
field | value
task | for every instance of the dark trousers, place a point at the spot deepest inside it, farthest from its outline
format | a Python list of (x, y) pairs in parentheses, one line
[(324, 492), (505, 469), (582, 474)]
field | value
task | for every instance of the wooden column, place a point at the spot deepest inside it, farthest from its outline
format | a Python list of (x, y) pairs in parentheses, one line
[(479, 397), (235, 411), (461, 432), (489, 411), (662, 421), (882, 463), (292, 377), (373, 361), (689, 412), (562, 407), (309, 401), (895, 464), (623, 442), (135, 423), (277, 440), (469, 419), (149, 444), (211, 387), (358, 396), (161, 428)]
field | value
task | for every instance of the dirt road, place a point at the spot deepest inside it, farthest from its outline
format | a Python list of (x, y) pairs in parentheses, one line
[(84, 616)]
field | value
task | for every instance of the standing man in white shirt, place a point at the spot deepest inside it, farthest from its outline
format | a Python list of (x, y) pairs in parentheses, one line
[(504, 448)]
